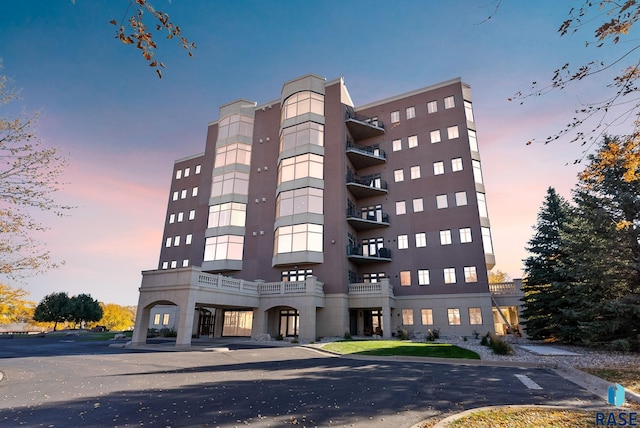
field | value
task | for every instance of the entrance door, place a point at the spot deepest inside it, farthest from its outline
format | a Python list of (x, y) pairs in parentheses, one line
[(353, 322), (206, 323)]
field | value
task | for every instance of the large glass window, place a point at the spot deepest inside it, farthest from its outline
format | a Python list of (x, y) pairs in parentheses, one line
[(302, 166), (432, 106), (475, 316), (396, 145), (236, 153), (302, 134), (461, 198), (299, 201), (470, 274), (415, 172), (473, 141), (456, 164), (371, 247), (403, 242), (398, 175), (449, 102), (237, 323), (405, 278), (234, 125), (449, 275), (295, 275), (442, 202), (477, 171), (453, 314), (486, 240), (401, 207), (452, 132), (407, 317), (289, 322), (231, 182), (229, 214), (482, 204), (435, 136), (465, 235), (373, 277), (423, 277), (421, 239), (468, 111), (411, 112), (445, 237), (298, 237), (395, 116), (418, 205), (412, 141), (301, 103), (225, 247), (438, 168), (427, 316)]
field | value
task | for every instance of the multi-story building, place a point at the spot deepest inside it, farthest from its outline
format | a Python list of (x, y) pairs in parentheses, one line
[(309, 217)]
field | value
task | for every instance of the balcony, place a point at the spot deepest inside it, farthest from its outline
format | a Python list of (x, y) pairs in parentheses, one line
[(366, 220), (362, 127), (358, 256), (365, 156), (366, 186)]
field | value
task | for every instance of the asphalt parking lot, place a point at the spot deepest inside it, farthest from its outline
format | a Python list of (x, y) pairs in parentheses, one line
[(67, 382)]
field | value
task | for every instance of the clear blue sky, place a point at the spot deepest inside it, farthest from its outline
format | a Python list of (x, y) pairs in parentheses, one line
[(123, 127)]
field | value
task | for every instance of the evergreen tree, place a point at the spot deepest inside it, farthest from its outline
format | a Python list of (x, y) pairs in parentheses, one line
[(603, 248), (545, 282), (83, 308)]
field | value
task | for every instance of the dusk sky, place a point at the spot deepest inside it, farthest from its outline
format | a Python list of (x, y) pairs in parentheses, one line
[(123, 127)]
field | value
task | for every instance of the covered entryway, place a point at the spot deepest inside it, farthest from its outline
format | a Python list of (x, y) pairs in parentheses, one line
[(365, 322)]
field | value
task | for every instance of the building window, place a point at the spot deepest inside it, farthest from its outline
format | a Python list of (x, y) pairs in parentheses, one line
[(473, 141), (373, 277), (165, 319), (372, 247), (192, 214), (194, 191), (411, 112), (180, 217), (301, 103), (438, 168), (230, 154), (298, 237), (407, 317), (229, 214), (477, 171), (445, 237), (398, 175), (156, 319), (413, 141), (234, 125), (482, 205), (475, 316), (183, 194), (452, 132), (432, 107), (435, 136), (423, 277), (395, 116), (302, 166), (405, 278), (187, 171), (442, 202), (172, 218), (415, 172), (486, 240), (178, 174), (468, 111), (176, 241), (449, 275), (175, 195), (465, 235), (453, 314), (403, 242), (295, 275), (397, 145), (165, 265), (418, 205), (461, 198), (401, 208), (198, 168), (224, 247), (301, 135), (185, 263), (167, 242), (229, 183), (187, 239), (449, 102), (421, 240), (174, 264), (470, 274), (427, 316), (456, 164), (299, 201)]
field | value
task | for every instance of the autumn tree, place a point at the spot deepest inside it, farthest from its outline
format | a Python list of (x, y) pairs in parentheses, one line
[(140, 36), (14, 305), (497, 277), (53, 308), (613, 21), (29, 179), (116, 317)]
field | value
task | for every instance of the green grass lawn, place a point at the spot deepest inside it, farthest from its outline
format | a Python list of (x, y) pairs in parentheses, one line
[(387, 348)]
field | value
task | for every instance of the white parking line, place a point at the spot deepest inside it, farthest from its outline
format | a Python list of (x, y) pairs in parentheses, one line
[(528, 382)]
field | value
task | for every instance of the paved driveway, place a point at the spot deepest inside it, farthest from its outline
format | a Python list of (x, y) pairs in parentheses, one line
[(255, 385)]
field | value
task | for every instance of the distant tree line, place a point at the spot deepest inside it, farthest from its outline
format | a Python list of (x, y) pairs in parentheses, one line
[(582, 278)]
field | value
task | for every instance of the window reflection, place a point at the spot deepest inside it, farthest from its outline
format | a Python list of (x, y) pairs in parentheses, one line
[(303, 166), (230, 154), (298, 237), (229, 214), (299, 201), (225, 247), (301, 103), (302, 134)]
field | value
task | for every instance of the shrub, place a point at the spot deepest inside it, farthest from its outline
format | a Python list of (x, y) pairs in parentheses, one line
[(499, 346), (476, 335), (168, 332), (152, 332), (403, 334), (433, 334), (485, 340), (347, 335), (280, 337), (620, 345)]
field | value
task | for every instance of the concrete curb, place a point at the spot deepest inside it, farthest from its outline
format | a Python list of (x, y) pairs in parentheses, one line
[(594, 384)]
